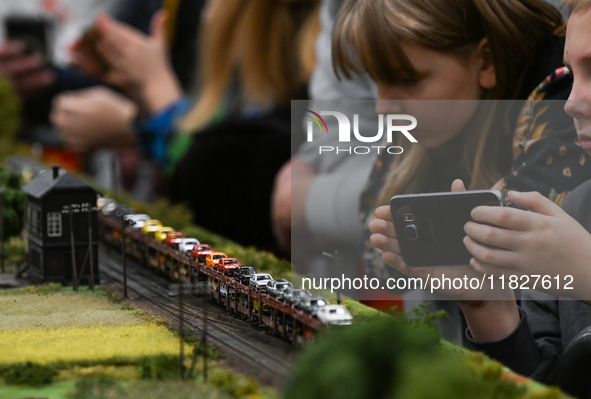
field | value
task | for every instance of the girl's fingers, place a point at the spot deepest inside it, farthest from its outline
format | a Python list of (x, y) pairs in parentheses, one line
[(384, 213), (379, 226), (491, 256), (493, 236), (487, 269), (385, 244), (396, 262), (536, 202), (458, 185), (509, 218)]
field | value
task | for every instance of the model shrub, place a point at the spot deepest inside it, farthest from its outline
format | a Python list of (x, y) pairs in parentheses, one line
[(163, 367), (32, 374), (14, 205)]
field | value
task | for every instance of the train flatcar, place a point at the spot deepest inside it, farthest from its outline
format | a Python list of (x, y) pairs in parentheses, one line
[(245, 297)]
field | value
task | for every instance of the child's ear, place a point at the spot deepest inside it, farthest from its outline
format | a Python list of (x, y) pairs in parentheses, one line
[(487, 77)]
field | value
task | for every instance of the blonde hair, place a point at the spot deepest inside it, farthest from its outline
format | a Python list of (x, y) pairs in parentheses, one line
[(267, 44), (367, 39)]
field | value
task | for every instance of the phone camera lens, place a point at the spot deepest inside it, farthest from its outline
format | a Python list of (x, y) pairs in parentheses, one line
[(408, 217), (412, 233)]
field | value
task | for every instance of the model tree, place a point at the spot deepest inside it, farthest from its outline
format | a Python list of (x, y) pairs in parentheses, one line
[(14, 199), (9, 119), (14, 203)]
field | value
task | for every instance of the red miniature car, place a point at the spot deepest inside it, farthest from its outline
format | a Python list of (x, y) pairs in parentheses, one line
[(174, 238), (227, 266), (199, 251)]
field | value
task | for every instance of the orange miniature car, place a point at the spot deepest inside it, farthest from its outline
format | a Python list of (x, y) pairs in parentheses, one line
[(213, 258)]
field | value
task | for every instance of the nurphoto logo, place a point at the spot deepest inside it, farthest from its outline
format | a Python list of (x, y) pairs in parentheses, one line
[(392, 126)]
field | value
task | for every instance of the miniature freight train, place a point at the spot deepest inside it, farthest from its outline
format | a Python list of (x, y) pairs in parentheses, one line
[(290, 312)]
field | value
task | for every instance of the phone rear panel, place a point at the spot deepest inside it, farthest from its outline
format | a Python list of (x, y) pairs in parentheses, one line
[(430, 227)]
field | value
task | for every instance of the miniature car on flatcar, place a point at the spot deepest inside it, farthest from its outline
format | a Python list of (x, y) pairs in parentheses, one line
[(332, 315), (151, 227), (162, 232), (187, 244), (213, 258), (258, 281), (174, 238), (276, 287), (200, 251), (137, 221), (292, 295), (224, 289), (242, 274), (227, 266), (310, 305), (107, 205), (265, 310), (121, 210)]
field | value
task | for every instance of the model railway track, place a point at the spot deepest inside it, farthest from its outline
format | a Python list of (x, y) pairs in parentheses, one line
[(225, 340)]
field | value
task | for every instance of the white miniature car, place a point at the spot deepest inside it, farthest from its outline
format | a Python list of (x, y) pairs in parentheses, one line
[(138, 220), (259, 281), (334, 315), (187, 244), (224, 290)]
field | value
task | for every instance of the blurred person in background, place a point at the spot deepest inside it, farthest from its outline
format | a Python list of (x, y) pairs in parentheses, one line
[(31, 71), (40, 79), (223, 151), (79, 115)]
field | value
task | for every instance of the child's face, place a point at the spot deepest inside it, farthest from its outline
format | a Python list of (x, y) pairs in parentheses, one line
[(577, 57), (441, 76)]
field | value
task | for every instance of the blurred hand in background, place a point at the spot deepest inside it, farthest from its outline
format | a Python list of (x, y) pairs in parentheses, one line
[(95, 117), (28, 72), (137, 63)]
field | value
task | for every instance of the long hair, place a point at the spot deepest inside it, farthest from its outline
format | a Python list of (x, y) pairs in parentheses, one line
[(266, 44), (367, 38)]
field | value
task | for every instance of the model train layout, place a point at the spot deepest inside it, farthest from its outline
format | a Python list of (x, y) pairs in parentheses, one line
[(289, 312)]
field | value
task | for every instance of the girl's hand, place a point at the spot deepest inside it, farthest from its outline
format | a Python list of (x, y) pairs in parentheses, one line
[(545, 242), (491, 314), (384, 238)]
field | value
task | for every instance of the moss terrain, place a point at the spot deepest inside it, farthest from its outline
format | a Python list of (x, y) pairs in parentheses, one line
[(55, 343)]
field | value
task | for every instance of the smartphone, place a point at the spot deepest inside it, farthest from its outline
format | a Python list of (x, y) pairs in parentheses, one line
[(33, 31), (430, 227)]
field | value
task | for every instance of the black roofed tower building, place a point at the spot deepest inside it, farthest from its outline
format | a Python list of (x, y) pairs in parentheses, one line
[(50, 196)]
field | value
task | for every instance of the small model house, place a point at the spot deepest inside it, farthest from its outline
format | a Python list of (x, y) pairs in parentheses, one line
[(61, 204)]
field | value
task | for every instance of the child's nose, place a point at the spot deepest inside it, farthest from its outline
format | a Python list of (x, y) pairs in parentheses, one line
[(579, 101), (578, 108)]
